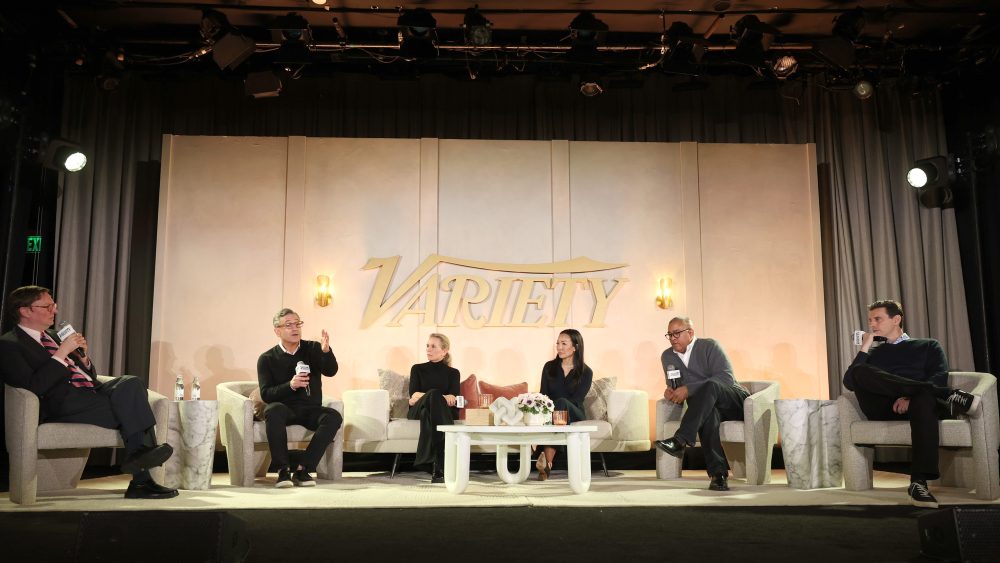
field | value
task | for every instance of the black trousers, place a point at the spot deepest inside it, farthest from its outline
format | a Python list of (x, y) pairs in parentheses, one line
[(431, 410), (877, 390), (323, 421), (121, 403), (709, 406)]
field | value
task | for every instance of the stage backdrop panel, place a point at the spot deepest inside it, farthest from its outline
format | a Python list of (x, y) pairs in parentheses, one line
[(479, 231)]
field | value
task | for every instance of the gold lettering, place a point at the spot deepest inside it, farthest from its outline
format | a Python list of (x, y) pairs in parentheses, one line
[(565, 299), (377, 303), (430, 304), (500, 301), (459, 303), (601, 299), (519, 318)]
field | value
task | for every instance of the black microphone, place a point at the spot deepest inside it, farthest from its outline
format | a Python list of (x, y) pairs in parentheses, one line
[(65, 331), (879, 339)]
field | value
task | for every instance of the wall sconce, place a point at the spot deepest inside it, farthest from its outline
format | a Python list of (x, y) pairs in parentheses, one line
[(663, 298), (324, 292)]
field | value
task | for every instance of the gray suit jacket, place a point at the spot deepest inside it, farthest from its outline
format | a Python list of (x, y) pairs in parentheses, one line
[(708, 361)]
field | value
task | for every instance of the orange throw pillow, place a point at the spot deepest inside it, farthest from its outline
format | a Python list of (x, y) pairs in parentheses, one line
[(469, 389), (506, 391)]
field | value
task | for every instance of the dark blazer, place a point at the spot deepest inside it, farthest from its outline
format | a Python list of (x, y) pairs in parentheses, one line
[(26, 364)]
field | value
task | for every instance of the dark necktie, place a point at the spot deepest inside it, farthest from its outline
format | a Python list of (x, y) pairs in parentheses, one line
[(76, 375)]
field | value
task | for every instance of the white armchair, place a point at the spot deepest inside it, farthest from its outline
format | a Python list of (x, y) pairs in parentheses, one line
[(368, 427), (968, 452), (51, 456), (748, 443), (246, 439)]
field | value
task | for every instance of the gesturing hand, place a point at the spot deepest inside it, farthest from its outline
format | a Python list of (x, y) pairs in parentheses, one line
[(324, 340)]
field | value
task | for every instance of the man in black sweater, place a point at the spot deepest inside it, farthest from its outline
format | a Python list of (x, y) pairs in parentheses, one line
[(906, 379), (293, 396)]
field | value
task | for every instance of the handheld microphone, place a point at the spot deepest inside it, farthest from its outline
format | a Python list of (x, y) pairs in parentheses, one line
[(65, 331), (303, 367), (880, 339)]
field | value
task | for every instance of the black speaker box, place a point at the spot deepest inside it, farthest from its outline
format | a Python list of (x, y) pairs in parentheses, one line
[(152, 536), (966, 534)]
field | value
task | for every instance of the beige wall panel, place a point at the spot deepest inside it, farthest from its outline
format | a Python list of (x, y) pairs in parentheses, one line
[(219, 258), (360, 201), (495, 205), (760, 244), (627, 206)]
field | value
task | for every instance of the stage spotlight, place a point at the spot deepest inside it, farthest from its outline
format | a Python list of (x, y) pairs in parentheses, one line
[(477, 29), (863, 89), (590, 88), (753, 38), (416, 34), (785, 66), (586, 32), (932, 172), (684, 45), (232, 49), (61, 154), (290, 27)]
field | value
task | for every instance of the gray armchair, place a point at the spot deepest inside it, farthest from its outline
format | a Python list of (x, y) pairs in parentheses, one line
[(51, 456), (968, 452), (246, 439), (748, 443)]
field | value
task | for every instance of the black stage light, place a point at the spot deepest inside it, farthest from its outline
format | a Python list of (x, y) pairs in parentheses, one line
[(61, 154), (263, 84), (785, 66), (591, 88), (932, 177), (863, 89), (290, 27), (850, 24), (416, 34), (586, 33), (477, 29), (753, 38), (229, 47)]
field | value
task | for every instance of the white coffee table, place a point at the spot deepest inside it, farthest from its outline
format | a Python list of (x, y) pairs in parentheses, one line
[(459, 438)]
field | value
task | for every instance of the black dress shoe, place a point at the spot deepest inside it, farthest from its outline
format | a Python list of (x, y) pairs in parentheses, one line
[(672, 446), (437, 475), (150, 489), (718, 483), (146, 457)]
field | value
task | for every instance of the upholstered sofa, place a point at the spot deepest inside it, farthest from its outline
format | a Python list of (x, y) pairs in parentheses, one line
[(369, 428), (748, 443), (246, 439), (51, 456), (968, 445)]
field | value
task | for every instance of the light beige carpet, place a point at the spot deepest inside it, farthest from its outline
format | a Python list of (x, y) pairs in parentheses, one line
[(414, 490)]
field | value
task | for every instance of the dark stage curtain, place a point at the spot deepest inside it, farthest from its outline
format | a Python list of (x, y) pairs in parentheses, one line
[(877, 241)]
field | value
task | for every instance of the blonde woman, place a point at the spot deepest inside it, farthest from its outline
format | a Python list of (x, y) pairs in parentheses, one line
[(433, 390)]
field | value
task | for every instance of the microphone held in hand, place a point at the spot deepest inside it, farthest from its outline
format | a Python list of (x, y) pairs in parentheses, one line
[(880, 339), (65, 331), (303, 367)]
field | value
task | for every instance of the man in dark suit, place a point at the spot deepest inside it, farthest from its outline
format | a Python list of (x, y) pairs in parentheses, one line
[(60, 372)]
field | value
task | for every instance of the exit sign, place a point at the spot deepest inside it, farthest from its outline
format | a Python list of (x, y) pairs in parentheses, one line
[(34, 244)]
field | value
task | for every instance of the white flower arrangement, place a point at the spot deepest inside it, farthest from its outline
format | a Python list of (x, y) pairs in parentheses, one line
[(534, 403)]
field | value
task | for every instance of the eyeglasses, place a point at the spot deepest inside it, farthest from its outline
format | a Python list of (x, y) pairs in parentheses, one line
[(48, 307), (675, 334), (290, 325)]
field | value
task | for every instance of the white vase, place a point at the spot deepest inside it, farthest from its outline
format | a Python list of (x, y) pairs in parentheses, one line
[(531, 419)]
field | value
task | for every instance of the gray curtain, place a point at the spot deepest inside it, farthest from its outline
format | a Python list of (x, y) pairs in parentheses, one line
[(877, 240)]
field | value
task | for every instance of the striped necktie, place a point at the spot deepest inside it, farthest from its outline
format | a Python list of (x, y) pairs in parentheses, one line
[(76, 375)]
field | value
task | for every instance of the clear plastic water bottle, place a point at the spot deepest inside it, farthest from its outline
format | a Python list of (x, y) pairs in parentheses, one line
[(195, 389), (179, 388)]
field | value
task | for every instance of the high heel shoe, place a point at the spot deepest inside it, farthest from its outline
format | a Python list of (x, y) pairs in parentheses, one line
[(543, 467)]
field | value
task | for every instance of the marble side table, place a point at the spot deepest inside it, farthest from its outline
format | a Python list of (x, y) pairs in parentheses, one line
[(810, 442), (191, 433)]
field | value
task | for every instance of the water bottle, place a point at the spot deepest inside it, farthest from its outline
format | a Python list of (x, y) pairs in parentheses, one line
[(195, 389), (179, 388)]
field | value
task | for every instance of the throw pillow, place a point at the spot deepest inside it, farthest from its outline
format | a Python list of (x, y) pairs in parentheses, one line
[(398, 387), (469, 389), (258, 404), (506, 391), (595, 404)]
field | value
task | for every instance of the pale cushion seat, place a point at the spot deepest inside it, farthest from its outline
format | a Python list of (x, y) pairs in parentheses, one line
[(954, 433)]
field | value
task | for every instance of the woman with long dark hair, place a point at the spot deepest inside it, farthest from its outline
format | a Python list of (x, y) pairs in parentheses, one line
[(566, 380), (433, 388)]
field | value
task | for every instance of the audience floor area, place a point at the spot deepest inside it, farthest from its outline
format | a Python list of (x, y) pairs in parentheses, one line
[(623, 488)]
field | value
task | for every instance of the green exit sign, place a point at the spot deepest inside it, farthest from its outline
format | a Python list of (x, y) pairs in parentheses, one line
[(34, 244)]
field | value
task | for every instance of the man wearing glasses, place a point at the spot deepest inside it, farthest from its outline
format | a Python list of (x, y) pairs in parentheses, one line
[(60, 372), (293, 396), (698, 371)]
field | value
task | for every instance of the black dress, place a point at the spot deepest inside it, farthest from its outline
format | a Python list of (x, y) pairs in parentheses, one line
[(434, 380), (560, 388)]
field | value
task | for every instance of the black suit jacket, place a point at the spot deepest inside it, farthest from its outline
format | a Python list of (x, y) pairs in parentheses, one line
[(26, 364)]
